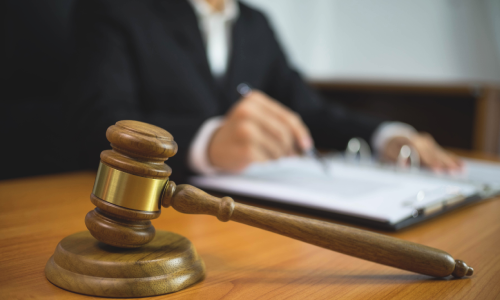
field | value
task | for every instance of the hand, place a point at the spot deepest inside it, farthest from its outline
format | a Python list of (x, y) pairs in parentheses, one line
[(257, 129), (431, 154)]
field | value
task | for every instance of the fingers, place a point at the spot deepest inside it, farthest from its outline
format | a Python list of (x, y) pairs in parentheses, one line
[(291, 120), (441, 160), (431, 154), (269, 127), (256, 144), (232, 148), (276, 120), (257, 129), (456, 160)]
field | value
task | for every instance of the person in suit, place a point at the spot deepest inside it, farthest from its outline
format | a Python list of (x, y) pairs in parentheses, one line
[(177, 64)]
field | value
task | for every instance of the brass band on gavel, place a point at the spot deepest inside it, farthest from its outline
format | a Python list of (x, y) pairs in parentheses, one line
[(128, 190)]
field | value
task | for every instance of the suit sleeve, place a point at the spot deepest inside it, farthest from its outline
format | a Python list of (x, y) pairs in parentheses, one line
[(103, 88), (331, 124)]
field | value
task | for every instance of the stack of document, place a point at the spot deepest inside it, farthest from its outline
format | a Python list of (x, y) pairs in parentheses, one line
[(377, 195)]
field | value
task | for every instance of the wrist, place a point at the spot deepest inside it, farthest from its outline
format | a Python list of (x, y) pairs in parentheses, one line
[(198, 155), (212, 149)]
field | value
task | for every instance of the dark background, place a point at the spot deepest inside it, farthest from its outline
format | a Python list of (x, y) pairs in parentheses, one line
[(36, 49), (448, 113)]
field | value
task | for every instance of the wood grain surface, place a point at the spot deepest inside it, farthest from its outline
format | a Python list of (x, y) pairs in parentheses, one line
[(139, 148), (243, 262), (351, 241), (84, 265)]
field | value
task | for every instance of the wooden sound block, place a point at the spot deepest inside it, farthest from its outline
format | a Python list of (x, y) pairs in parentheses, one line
[(82, 264)]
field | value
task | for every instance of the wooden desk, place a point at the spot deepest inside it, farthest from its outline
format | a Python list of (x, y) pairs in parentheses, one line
[(243, 262)]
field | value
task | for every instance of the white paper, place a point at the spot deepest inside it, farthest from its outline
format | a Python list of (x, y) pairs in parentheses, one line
[(365, 191)]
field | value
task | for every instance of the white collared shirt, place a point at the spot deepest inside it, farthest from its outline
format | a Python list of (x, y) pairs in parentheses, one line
[(215, 27)]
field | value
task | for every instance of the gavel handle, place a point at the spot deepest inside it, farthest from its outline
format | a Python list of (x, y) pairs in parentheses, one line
[(363, 244)]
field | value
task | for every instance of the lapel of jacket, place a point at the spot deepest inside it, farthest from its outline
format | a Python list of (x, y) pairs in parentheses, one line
[(241, 46), (182, 22)]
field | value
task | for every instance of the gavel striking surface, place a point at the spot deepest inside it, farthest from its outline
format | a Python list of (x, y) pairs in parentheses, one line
[(84, 265)]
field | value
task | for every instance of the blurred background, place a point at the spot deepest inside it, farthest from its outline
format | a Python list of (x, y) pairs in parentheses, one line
[(434, 64)]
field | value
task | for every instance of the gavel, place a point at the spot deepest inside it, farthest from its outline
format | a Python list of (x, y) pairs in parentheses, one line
[(132, 184)]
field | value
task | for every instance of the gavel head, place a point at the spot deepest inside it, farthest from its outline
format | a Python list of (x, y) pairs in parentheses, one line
[(129, 184)]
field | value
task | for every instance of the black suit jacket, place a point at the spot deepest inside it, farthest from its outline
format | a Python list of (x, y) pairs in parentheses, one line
[(146, 60)]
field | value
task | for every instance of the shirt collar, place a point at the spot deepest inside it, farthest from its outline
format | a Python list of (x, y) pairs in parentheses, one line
[(203, 9)]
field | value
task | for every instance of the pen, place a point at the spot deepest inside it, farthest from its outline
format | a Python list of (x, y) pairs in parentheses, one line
[(244, 89)]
